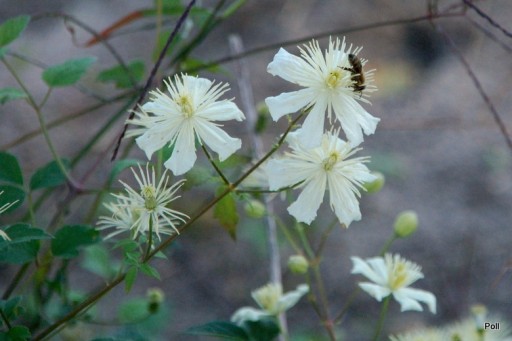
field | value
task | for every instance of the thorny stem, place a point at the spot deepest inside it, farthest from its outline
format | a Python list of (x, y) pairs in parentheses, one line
[(119, 279)]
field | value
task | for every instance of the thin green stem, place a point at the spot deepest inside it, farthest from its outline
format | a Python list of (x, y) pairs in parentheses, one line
[(150, 238), (48, 93), (217, 169), (382, 317), (387, 245), (288, 236)]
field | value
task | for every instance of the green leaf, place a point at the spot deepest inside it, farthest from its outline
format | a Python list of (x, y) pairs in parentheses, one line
[(197, 176), (9, 94), (16, 333), (225, 212), (98, 261), (119, 166), (10, 170), (131, 276), (67, 73), (150, 271), (119, 75), (10, 195), (70, 238), (262, 330), (11, 307), (49, 175), (232, 8), (220, 329), (12, 28), (24, 243)]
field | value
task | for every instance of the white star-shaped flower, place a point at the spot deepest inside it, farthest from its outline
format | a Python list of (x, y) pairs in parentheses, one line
[(392, 275), (331, 83), (146, 209), (272, 302), (187, 112), (315, 169)]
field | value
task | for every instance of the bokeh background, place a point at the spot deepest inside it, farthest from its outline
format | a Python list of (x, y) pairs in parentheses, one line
[(438, 145)]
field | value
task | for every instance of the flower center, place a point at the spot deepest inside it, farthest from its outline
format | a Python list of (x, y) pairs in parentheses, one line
[(333, 80), (331, 161), (185, 103), (398, 276), (149, 195)]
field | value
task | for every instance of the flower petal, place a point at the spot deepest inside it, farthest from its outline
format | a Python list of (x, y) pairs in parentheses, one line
[(305, 207), (287, 172), (310, 135), (221, 111), (343, 200), (184, 154), (248, 314), (291, 298), (217, 139), (291, 68), (289, 102), (363, 267), (409, 298), (374, 290)]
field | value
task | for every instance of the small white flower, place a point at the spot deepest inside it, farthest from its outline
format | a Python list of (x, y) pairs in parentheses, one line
[(4, 208), (317, 168), (468, 330), (328, 85), (187, 112), (392, 275), (272, 302), (137, 211)]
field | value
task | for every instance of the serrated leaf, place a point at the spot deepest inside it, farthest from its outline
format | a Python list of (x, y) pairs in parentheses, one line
[(11, 197), (119, 75), (225, 212), (10, 94), (24, 243), (67, 73), (49, 175), (10, 170), (129, 280), (220, 329), (12, 29), (119, 166), (70, 238)]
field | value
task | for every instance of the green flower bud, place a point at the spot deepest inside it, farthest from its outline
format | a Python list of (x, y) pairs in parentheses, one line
[(155, 297), (298, 264), (406, 224), (375, 185), (255, 209)]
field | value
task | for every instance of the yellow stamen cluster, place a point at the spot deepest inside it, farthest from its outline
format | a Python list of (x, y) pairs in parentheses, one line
[(185, 103), (331, 161)]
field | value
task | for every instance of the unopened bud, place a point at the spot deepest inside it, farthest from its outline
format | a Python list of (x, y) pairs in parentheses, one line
[(406, 224), (375, 185), (155, 298), (298, 264), (255, 209)]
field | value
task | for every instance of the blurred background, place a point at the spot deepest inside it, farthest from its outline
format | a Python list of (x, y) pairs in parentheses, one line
[(438, 145)]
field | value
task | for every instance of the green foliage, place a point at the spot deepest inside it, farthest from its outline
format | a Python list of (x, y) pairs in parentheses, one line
[(24, 244), (131, 276), (70, 238), (49, 175), (225, 212), (12, 29), (10, 94), (11, 308), (133, 311), (16, 333), (220, 329), (10, 170), (262, 330), (121, 77), (98, 260), (11, 195), (67, 73)]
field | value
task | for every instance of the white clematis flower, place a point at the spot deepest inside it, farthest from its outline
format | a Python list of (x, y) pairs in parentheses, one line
[(327, 166), (392, 275), (272, 302), (189, 110), (329, 85), (145, 210), (4, 208)]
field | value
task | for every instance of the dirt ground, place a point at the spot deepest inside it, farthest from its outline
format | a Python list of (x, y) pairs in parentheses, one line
[(438, 145)]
